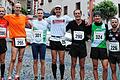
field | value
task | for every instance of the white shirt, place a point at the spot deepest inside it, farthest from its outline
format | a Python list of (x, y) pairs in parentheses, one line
[(58, 25), (39, 28)]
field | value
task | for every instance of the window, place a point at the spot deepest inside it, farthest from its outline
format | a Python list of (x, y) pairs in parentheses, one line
[(119, 10), (78, 5), (49, 0), (42, 1), (29, 7), (65, 10)]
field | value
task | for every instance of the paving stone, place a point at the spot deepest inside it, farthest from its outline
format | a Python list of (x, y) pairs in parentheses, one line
[(27, 68)]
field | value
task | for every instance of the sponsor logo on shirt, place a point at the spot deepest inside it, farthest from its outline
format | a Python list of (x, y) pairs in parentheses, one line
[(58, 21)]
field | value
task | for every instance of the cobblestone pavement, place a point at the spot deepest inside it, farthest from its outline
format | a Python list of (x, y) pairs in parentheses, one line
[(27, 70)]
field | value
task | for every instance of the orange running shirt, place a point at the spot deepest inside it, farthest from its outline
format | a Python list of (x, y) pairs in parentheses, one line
[(3, 25), (16, 25)]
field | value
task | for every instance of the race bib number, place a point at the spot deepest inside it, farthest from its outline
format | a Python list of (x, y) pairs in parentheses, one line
[(20, 42), (99, 36), (3, 32), (114, 46), (78, 35), (38, 35)]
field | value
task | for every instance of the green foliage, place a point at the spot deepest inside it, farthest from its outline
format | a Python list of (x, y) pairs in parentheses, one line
[(24, 11), (107, 8)]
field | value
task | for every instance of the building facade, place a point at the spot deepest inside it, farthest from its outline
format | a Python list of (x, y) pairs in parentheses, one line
[(7, 5), (68, 6)]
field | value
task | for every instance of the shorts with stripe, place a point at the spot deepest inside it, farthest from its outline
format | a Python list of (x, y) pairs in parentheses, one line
[(13, 44)]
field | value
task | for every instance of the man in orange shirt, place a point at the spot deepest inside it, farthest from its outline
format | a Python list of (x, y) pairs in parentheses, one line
[(17, 22), (3, 46)]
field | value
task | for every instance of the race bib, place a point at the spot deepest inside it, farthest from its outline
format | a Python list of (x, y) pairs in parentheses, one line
[(38, 35), (63, 41), (114, 46), (78, 35), (20, 42), (99, 36), (3, 32)]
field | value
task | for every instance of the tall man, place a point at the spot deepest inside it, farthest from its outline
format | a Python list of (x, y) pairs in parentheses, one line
[(114, 46), (17, 22), (3, 46), (98, 31), (57, 28), (39, 43), (78, 47)]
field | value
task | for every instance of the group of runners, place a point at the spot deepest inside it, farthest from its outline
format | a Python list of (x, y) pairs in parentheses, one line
[(58, 25)]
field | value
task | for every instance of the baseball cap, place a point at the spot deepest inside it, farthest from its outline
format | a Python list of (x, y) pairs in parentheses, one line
[(58, 6)]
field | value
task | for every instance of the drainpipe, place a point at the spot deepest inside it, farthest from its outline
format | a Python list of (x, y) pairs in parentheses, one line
[(91, 6), (34, 7)]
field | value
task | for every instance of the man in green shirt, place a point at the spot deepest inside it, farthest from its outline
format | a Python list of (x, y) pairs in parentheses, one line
[(98, 31)]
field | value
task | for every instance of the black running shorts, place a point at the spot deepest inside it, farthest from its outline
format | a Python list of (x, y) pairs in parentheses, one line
[(3, 46), (98, 53), (78, 50), (114, 57), (56, 45)]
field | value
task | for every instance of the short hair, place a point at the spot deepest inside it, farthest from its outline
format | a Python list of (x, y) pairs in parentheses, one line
[(114, 18), (76, 10), (39, 9), (17, 3), (2, 7)]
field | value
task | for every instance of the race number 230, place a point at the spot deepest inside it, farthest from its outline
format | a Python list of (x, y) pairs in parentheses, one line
[(78, 35), (20, 42)]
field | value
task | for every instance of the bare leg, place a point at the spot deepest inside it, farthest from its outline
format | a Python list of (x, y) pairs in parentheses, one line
[(82, 71), (20, 57), (95, 67), (2, 61), (42, 69), (13, 59), (61, 66), (35, 67), (54, 59), (113, 68), (105, 69), (73, 65)]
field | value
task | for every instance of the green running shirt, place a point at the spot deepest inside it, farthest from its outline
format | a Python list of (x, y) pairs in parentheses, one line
[(98, 36)]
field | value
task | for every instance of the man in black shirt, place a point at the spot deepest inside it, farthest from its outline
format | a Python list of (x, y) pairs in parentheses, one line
[(114, 46), (78, 47)]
